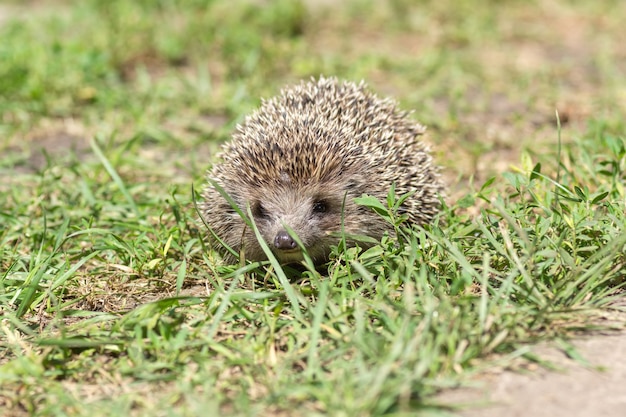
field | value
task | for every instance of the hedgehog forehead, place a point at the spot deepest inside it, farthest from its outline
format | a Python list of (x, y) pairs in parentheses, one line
[(287, 196)]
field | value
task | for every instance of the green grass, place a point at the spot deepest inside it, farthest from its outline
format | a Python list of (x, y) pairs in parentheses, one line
[(110, 302)]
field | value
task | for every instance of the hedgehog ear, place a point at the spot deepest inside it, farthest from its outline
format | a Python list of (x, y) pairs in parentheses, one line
[(354, 187)]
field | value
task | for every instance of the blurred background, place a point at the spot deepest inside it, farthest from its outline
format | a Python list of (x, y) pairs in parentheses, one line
[(171, 78)]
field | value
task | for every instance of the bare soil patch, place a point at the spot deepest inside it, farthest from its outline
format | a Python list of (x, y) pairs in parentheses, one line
[(588, 381)]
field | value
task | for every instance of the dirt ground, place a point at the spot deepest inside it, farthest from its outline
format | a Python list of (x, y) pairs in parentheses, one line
[(592, 385)]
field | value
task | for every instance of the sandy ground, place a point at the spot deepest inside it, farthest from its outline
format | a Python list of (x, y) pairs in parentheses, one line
[(592, 386)]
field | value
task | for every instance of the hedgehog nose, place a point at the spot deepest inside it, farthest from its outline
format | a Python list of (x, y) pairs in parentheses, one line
[(283, 241)]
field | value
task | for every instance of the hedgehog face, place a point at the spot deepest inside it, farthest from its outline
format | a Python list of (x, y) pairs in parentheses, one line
[(316, 212), (315, 218)]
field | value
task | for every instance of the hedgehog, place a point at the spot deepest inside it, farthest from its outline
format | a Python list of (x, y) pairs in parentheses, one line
[(298, 163)]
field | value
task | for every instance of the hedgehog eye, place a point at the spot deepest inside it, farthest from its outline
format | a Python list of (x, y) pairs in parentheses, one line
[(320, 206), (260, 212)]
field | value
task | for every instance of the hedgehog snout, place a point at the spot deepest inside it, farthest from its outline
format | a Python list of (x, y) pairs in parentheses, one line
[(283, 241)]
